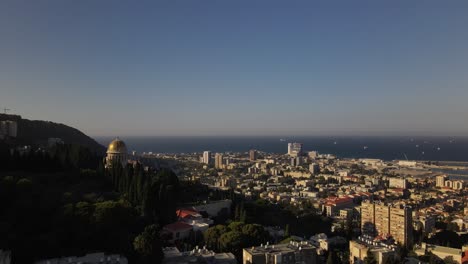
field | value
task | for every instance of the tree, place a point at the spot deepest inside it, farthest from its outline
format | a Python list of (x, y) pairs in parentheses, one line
[(237, 213), (401, 253), (449, 260), (236, 226), (232, 241), (148, 245), (286, 231), (212, 235), (332, 257), (255, 234), (370, 258), (433, 259)]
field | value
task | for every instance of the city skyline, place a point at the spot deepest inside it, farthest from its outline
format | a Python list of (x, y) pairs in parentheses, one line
[(238, 68)]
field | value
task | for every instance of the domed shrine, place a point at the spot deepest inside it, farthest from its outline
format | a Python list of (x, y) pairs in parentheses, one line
[(116, 152)]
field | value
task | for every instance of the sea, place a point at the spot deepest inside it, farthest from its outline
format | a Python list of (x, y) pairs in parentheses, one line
[(385, 148)]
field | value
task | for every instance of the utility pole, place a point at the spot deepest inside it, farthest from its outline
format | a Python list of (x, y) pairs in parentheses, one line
[(5, 110)]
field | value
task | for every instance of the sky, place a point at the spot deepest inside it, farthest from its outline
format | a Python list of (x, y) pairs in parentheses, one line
[(196, 67)]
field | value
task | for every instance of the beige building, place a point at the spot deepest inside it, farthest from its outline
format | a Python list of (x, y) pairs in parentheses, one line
[(206, 157), (198, 255), (253, 155), (457, 254), (219, 161), (427, 223), (440, 181), (378, 219), (292, 253), (358, 251), (397, 183)]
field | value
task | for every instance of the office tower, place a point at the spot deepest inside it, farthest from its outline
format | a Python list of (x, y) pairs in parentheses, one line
[(219, 161), (295, 149), (253, 155), (207, 157)]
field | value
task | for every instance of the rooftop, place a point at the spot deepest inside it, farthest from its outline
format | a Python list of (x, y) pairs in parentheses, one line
[(280, 248)]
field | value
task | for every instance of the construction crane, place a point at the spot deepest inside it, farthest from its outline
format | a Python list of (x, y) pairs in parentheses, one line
[(405, 156)]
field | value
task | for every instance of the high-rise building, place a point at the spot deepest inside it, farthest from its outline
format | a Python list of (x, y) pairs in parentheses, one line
[(440, 181), (380, 219), (218, 161), (401, 224), (253, 155), (314, 168), (295, 149), (207, 157), (296, 161)]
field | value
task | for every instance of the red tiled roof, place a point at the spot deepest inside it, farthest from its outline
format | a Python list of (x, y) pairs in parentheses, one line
[(465, 257), (185, 213), (335, 201), (177, 226)]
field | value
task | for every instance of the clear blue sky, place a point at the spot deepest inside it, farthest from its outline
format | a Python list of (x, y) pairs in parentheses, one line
[(221, 67)]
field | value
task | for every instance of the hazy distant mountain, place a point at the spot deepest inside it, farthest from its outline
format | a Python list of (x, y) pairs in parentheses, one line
[(37, 132)]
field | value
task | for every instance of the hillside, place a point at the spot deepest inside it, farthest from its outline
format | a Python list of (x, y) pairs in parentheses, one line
[(36, 132)]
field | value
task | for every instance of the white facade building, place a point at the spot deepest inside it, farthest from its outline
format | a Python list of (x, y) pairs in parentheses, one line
[(207, 157)]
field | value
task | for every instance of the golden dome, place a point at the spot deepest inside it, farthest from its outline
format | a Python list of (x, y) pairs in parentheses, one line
[(117, 146)]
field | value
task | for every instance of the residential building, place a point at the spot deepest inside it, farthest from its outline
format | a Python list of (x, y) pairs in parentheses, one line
[(427, 223), (333, 205), (207, 157), (253, 155), (296, 161), (398, 183), (172, 255), (294, 149), (177, 231), (379, 219), (213, 208), (457, 254), (314, 168), (440, 180), (358, 250), (219, 161), (292, 253)]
